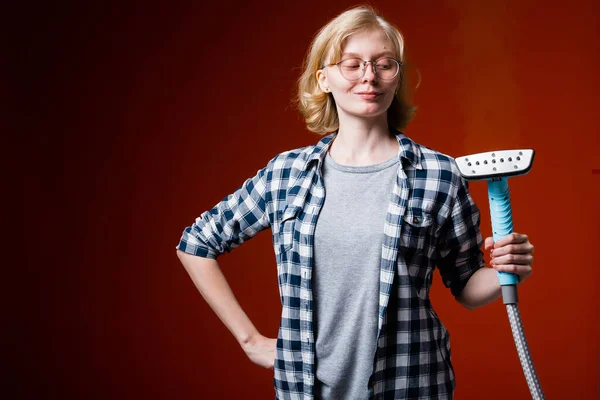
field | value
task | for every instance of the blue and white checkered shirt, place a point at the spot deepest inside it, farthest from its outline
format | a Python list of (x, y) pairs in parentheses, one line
[(431, 221)]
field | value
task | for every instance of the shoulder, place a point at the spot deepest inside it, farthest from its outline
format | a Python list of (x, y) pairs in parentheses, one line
[(299, 159), (291, 159), (444, 164)]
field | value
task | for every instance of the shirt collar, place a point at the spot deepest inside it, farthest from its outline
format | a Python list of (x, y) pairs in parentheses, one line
[(407, 149)]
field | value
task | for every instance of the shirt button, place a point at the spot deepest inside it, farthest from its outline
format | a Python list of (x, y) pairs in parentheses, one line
[(416, 220)]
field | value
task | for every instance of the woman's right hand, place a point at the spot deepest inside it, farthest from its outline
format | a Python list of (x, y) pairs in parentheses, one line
[(261, 351)]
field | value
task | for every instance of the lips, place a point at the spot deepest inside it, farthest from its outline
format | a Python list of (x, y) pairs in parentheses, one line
[(368, 95)]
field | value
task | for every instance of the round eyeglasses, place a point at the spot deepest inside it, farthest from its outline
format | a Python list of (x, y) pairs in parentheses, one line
[(353, 69)]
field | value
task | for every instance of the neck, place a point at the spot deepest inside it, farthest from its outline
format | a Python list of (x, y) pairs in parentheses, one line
[(362, 141)]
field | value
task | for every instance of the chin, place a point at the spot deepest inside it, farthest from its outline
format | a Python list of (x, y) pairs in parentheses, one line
[(370, 111)]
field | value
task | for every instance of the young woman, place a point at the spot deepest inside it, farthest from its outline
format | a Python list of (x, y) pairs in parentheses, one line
[(359, 220)]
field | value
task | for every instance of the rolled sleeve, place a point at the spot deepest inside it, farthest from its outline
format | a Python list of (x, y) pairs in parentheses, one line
[(235, 219), (459, 252)]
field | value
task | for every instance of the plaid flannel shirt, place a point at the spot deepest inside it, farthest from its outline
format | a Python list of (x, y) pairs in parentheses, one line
[(431, 221)]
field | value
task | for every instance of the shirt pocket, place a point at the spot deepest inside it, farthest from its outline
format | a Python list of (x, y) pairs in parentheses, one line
[(417, 231), (417, 247), (287, 225)]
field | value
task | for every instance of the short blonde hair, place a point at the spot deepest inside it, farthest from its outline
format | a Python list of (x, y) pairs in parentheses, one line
[(318, 108)]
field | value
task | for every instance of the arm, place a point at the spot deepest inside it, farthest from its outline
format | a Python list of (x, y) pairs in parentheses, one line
[(234, 220), (481, 289), (460, 259), (459, 256), (213, 286), (512, 253)]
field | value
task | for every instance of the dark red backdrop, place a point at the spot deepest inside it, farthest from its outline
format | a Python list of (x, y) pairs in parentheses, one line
[(141, 116)]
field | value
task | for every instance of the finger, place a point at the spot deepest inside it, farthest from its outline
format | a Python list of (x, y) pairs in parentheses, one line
[(511, 238), (521, 270), (521, 248), (489, 243), (520, 259)]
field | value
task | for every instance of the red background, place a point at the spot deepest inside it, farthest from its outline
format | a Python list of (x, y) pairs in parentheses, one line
[(141, 116)]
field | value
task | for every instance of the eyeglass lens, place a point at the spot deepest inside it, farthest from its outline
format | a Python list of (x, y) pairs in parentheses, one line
[(354, 68)]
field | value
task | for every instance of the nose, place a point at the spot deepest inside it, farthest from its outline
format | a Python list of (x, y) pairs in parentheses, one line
[(369, 74)]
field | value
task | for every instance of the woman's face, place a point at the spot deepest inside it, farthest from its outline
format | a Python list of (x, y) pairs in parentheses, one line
[(368, 96)]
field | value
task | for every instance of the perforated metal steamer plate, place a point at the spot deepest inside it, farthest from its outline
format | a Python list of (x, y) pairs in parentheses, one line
[(494, 164)]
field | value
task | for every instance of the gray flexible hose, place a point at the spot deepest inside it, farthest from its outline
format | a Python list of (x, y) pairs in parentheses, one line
[(521, 342)]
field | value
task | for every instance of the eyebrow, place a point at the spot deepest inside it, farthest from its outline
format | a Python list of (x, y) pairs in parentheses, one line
[(382, 54)]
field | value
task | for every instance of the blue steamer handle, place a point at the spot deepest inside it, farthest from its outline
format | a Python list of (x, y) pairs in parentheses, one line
[(501, 215)]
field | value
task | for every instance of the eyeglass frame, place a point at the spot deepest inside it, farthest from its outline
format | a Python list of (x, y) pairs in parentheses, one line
[(364, 67)]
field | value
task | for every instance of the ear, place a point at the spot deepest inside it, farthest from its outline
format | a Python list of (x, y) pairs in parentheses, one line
[(322, 80)]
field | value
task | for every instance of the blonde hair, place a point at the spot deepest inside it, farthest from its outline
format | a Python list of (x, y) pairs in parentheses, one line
[(318, 108)]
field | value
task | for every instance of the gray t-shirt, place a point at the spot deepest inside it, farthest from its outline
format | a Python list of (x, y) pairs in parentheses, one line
[(347, 254)]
